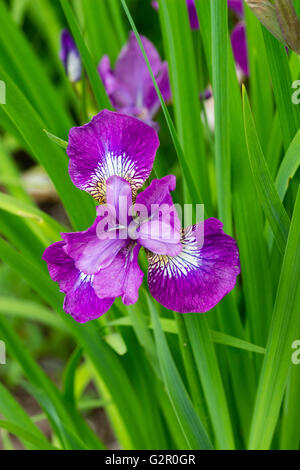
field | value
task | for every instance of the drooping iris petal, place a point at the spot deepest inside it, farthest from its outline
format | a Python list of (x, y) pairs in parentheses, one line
[(193, 16), (237, 6), (95, 249), (129, 85), (200, 276), (111, 144), (70, 57), (122, 278), (81, 301), (239, 47), (159, 227)]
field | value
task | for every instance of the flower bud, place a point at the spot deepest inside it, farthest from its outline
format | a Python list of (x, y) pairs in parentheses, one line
[(280, 18)]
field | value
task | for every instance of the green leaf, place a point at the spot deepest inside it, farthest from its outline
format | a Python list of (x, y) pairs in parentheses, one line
[(220, 76), (23, 434), (12, 411), (192, 188), (170, 326), (49, 226), (189, 421), (185, 92), (57, 140), (211, 380), (69, 376), (289, 114), (31, 311), (288, 167), (20, 62), (80, 207), (268, 196), (277, 362), (100, 39)]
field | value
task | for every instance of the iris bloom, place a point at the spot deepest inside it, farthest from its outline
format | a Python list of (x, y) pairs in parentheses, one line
[(70, 57), (111, 158), (129, 86)]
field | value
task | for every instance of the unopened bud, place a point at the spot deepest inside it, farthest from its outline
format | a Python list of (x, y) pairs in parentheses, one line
[(280, 18)]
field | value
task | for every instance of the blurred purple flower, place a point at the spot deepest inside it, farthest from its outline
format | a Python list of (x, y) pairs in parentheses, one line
[(110, 158), (239, 47), (193, 15), (129, 85), (70, 57), (237, 6)]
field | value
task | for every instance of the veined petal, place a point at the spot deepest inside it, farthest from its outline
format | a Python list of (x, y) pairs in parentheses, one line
[(94, 249), (239, 47), (70, 57), (111, 144), (159, 227), (201, 275), (122, 278), (81, 301)]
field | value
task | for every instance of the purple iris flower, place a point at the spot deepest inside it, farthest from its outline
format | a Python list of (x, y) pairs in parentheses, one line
[(70, 57), (111, 157), (129, 86)]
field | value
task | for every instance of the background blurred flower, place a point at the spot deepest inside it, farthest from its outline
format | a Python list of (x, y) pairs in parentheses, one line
[(280, 18), (70, 57), (129, 85)]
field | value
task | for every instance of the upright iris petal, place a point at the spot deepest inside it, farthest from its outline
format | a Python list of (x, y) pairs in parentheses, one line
[(160, 229), (111, 144), (70, 57), (130, 86), (201, 275)]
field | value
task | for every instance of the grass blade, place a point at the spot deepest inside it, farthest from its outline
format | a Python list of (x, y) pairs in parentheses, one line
[(285, 323), (192, 188), (189, 421), (268, 196), (219, 34), (185, 91)]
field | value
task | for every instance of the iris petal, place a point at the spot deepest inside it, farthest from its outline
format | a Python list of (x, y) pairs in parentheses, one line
[(81, 301), (122, 278), (201, 275), (111, 144), (160, 228)]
